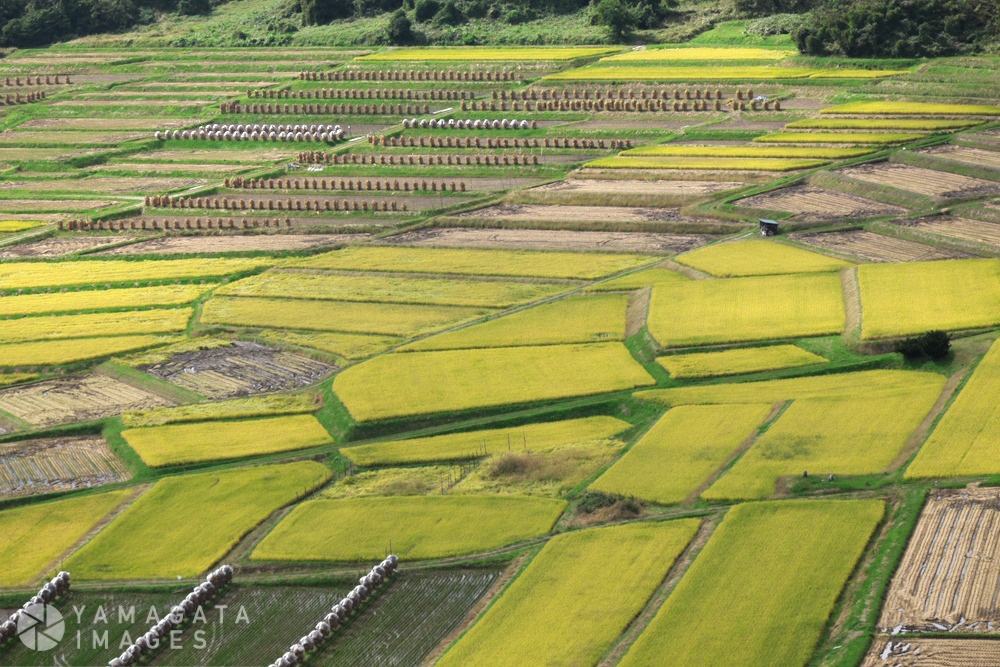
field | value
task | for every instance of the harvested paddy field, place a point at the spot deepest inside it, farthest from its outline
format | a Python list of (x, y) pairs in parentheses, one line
[(539, 239), (105, 185), (964, 229), (806, 202), (47, 465), (545, 214), (624, 186), (248, 243), (967, 154), (873, 247), (56, 246), (240, 369), (140, 167), (928, 652), (949, 578), (921, 181), (55, 205), (76, 399)]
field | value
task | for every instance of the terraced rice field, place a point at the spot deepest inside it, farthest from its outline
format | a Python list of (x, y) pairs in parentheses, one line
[(946, 581), (967, 154), (586, 319), (681, 451), (417, 383), (823, 436), (705, 163), (36, 536), (922, 181), (811, 203), (547, 619), (219, 508), (758, 258), (349, 346), (179, 444), (103, 324), (874, 247), (478, 54), (694, 74), (75, 399), (956, 294), (838, 137), (977, 231), (387, 289), (20, 275), (239, 368), (638, 280), (46, 465), (930, 124), (537, 437), (212, 244), (418, 527), (738, 361), (405, 320), (964, 441), (58, 352), (476, 262), (671, 150), (729, 310), (749, 579), (913, 108), (137, 297)]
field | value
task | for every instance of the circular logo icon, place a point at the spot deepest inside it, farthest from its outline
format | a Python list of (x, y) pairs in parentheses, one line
[(40, 627)]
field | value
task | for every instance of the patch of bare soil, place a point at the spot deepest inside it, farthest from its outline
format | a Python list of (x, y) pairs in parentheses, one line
[(52, 247), (577, 214), (922, 181), (46, 465), (76, 399), (614, 187), (240, 369), (53, 204), (964, 229), (878, 248), (214, 244), (807, 202), (111, 186), (949, 578), (462, 237), (928, 652)]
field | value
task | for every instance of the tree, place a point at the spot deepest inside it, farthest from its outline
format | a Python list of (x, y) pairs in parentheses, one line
[(321, 12), (933, 344), (425, 10), (194, 7), (616, 17), (449, 14), (400, 28)]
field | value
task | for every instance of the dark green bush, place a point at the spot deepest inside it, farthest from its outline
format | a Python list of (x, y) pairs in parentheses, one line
[(933, 345), (449, 14), (400, 29), (194, 7), (425, 10)]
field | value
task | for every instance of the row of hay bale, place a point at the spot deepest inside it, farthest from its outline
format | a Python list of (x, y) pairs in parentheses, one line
[(47, 594), (360, 94), (368, 184), (150, 642), (47, 80), (257, 132), (470, 124), (639, 105), (17, 98), (500, 142), (298, 652), (289, 204), (350, 109), (175, 224), (412, 75), (319, 157), (615, 93)]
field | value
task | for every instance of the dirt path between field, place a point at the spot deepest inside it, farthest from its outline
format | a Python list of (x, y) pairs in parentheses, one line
[(637, 311), (690, 272), (484, 602), (851, 289), (670, 581), (751, 439)]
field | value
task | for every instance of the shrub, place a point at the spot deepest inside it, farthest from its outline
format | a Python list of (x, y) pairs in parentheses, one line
[(321, 12), (425, 10), (767, 8), (777, 24), (449, 14), (400, 29), (933, 345), (616, 17)]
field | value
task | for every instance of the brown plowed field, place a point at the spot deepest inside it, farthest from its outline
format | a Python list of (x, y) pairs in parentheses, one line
[(979, 231), (811, 203), (461, 237), (53, 204), (878, 248), (615, 187), (578, 214), (57, 464), (919, 652), (975, 156), (110, 185), (52, 247), (272, 242), (949, 578), (75, 399), (239, 369), (922, 181), (171, 167)]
